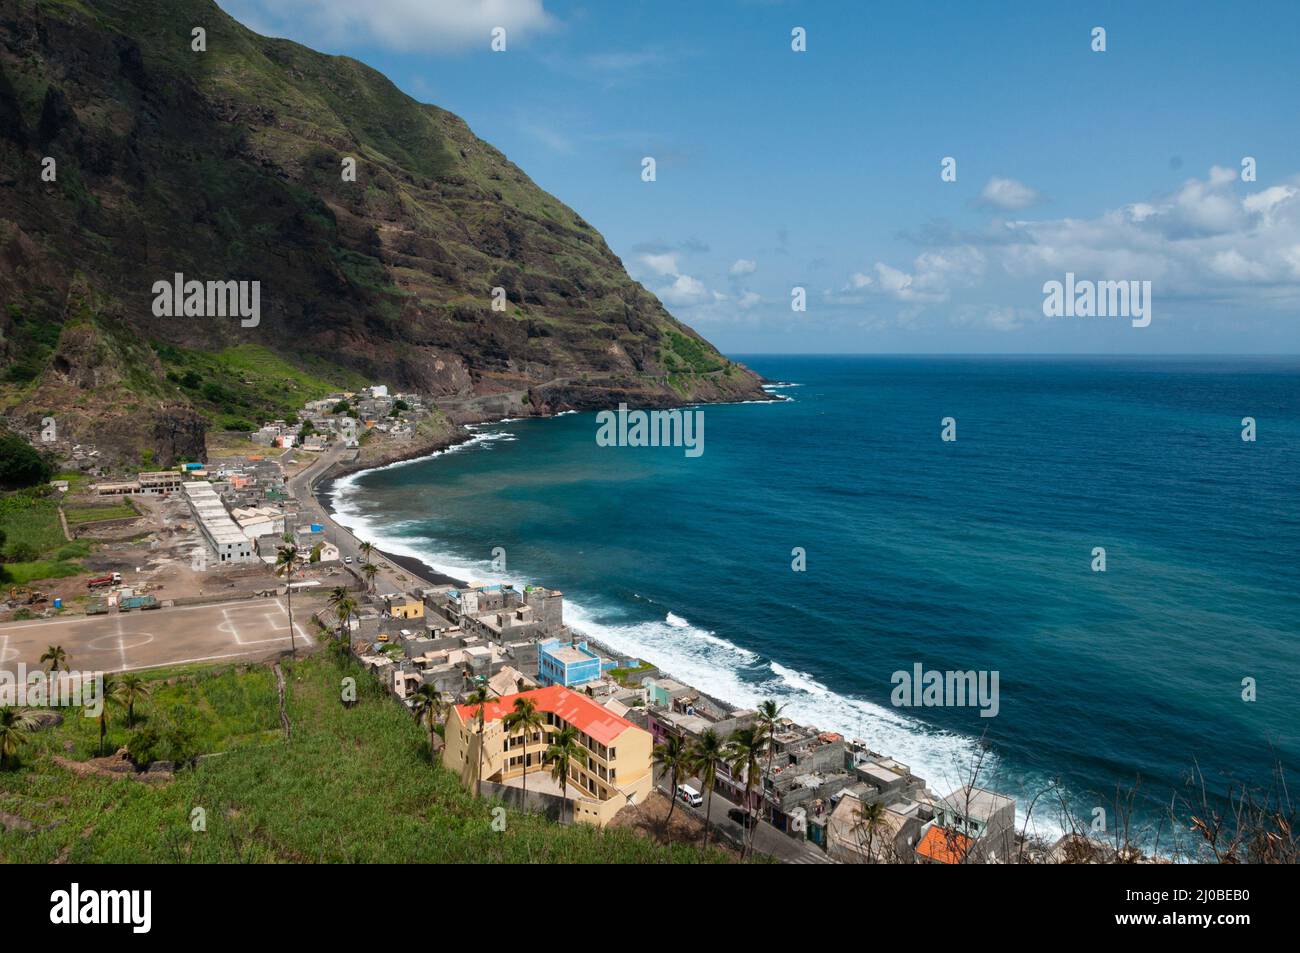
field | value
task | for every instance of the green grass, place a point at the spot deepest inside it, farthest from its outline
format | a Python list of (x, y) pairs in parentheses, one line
[(36, 570), (695, 354), (30, 521), (242, 386), (629, 676), (31, 518), (354, 785), (78, 515)]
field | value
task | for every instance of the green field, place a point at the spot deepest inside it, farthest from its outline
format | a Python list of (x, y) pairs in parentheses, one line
[(353, 785), (77, 515), (35, 547)]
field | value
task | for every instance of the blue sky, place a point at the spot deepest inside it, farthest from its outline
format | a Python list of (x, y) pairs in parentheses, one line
[(821, 169)]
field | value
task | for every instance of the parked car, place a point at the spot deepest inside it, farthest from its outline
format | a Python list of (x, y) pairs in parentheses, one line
[(347, 560), (742, 817), (689, 795)]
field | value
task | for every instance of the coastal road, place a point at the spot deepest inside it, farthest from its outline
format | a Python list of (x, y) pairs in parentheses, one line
[(767, 839), (302, 487)]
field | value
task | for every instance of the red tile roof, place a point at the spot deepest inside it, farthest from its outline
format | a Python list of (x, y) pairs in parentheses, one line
[(574, 707), (944, 846)]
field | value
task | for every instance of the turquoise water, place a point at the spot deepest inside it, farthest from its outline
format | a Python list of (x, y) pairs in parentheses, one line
[(966, 555)]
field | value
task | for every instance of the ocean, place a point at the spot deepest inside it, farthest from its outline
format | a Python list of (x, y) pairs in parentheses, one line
[(975, 554)]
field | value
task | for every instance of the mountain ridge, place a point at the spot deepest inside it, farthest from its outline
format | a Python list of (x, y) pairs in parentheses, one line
[(226, 164)]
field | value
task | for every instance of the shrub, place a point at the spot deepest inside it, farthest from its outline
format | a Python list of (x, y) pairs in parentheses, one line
[(21, 465)]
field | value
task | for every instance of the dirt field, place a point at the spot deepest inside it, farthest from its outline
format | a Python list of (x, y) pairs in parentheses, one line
[(253, 628)]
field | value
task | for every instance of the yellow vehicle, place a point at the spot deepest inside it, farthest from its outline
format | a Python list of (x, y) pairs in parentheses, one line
[(383, 637), (28, 595)]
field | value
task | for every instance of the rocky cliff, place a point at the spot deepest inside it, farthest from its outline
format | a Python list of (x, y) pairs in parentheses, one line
[(127, 156)]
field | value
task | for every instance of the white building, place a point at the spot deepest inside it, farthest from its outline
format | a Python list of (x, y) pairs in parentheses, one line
[(222, 534)]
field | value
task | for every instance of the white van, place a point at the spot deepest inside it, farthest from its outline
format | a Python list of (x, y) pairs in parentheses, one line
[(688, 794)]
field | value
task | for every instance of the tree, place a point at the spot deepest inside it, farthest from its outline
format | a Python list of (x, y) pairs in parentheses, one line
[(57, 658), (287, 558), (427, 705), (479, 697), (112, 695), (370, 571), (526, 718), (562, 750), (345, 608), (15, 725), (869, 818), (366, 550), (21, 464), (744, 752), (672, 757), (769, 713), (134, 689), (706, 756)]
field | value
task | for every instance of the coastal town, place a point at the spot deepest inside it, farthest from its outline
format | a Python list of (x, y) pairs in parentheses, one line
[(527, 710)]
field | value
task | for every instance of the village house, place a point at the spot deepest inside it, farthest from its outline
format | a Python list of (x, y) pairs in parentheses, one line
[(612, 771), (852, 839), (971, 825)]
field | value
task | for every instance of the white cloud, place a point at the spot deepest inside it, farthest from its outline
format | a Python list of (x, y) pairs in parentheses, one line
[(743, 266), (661, 264), (748, 300), (395, 24), (685, 290), (1009, 194)]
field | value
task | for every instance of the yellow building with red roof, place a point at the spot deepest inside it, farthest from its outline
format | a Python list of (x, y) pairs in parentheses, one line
[(614, 764)]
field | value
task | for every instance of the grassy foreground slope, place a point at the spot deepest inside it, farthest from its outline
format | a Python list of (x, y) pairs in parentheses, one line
[(353, 785)]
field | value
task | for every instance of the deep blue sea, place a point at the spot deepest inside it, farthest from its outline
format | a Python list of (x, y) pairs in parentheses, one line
[(967, 555)]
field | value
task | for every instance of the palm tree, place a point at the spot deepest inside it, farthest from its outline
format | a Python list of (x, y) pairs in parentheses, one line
[(563, 749), (366, 550), (287, 558), (427, 705), (673, 757), (706, 755), (57, 658), (133, 689), (869, 818), (769, 713), (479, 697), (528, 719), (112, 694), (344, 607), (370, 571), (15, 725), (744, 752)]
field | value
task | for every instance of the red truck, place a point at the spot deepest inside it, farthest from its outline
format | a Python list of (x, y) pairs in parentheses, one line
[(112, 579)]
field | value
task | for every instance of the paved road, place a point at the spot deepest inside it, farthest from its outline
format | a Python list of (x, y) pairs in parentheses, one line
[(301, 485), (767, 839)]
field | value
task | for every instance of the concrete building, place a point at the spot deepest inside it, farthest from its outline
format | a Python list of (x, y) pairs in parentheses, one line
[(971, 825), (614, 768), (853, 838), (222, 534), (568, 664)]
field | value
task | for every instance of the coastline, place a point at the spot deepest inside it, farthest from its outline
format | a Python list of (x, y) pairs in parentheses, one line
[(323, 493)]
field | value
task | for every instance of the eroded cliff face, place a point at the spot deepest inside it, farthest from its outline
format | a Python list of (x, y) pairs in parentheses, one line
[(229, 165)]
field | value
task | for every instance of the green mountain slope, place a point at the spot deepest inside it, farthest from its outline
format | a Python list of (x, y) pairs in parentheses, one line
[(226, 165)]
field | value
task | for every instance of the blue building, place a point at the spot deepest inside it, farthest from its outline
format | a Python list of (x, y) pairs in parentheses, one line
[(567, 664)]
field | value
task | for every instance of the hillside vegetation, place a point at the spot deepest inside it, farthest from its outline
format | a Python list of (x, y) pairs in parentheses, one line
[(227, 164), (353, 785)]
